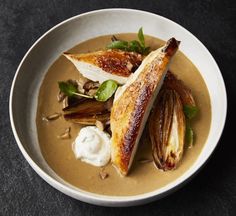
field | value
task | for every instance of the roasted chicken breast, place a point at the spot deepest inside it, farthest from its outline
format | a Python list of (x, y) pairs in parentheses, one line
[(106, 64), (133, 102)]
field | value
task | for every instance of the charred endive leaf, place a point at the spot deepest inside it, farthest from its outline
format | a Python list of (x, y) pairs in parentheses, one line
[(167, 130), (172, 82), (89, 107), (189, 105), (87, 119), (89, 112)]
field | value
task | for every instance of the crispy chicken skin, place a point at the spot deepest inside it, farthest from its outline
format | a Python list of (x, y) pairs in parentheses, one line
[(106, 64), (133, 102)]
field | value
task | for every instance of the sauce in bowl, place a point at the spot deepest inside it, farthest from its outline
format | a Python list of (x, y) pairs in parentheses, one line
[(143, 176)]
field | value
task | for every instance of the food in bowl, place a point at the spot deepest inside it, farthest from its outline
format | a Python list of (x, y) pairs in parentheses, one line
[(102, 108)]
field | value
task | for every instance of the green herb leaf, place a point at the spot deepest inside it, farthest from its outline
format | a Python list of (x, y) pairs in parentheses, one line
[(70, 90), (134, 46), (190, 111), (67, 88), (106, 90), (146, 50), (118, 44), (189, 135), (141, 37)]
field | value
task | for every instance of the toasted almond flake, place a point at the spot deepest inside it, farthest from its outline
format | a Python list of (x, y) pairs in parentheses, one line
[(51, 117), (65, 102), (81, 82), (129, 66), (65, 135), (67, 130), (103, 175), (91, 85), (99, 125), (45, 119), (91, 92), (145, 160), (60, 96), (107, 123)]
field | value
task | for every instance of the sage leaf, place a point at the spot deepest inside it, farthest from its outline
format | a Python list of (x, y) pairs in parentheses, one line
[(131, 46), (118, 44), (190, 111), (141, 37), (67, 88), (106, 90), (70, 90), (146, 50), (134, 46), (189, 135)]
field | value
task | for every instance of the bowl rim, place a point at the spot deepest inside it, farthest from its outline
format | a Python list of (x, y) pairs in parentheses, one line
[(107, 200)]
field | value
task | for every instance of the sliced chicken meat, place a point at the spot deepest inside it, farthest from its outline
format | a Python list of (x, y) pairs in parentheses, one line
[(106, 64), (133, 102)]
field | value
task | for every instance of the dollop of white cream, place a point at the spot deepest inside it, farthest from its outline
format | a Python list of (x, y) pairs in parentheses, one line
[(92, 146)]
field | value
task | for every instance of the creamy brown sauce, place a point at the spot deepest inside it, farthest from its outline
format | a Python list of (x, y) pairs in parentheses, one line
[(143, 177)]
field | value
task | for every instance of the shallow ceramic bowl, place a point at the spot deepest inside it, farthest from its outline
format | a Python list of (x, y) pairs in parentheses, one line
[(31, 71)]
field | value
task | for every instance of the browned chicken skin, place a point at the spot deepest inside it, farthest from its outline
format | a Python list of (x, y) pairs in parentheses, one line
[(106, 64), (133, 102)]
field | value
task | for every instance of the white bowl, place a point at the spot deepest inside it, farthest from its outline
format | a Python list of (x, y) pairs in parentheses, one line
[(34, 65)]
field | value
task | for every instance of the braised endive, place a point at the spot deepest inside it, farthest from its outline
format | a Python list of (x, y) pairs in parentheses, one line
[(167, 130), (169, 123)]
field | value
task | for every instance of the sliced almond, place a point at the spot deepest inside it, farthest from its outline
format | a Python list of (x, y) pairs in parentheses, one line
[(99, 125), (145, 160), (91, 85), (129, 65), (51, 117), (60, 96), (103, 175), (91, 92), (65, 102), (65, 134)]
